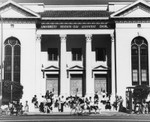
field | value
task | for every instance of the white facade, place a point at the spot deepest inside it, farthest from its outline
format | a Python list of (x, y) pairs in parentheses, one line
[(40, 28)]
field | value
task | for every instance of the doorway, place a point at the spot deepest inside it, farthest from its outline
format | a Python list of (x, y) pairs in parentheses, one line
[(52, 83), (76, 84), (100, 83)]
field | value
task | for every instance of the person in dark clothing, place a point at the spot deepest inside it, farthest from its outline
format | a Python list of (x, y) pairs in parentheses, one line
[(41, 107), (18, 108), (49, 105), (81, 104), (34, 101), (47, 95), (62, 103), (96, 96), (108, 105)]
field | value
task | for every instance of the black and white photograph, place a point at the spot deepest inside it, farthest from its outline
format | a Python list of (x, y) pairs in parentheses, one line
[(74, 61)]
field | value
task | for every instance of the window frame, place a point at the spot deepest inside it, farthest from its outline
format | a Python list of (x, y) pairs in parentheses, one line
[(100, 54), (15, 60), (142, 60), (76, 54), (52, 54)]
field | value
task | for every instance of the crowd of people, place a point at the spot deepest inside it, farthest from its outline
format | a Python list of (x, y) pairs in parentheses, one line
[(76, 103), (14, 108)]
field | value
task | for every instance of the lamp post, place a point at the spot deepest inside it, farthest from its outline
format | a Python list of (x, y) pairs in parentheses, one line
[(1, 61)]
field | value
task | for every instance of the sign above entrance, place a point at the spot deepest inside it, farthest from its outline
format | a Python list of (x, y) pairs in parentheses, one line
[(76, 26)]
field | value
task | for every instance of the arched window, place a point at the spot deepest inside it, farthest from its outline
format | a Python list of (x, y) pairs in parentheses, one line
[(12, 59), (139, 51)]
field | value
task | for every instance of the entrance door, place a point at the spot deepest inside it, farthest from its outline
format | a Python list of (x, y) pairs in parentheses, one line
[(76, 85), (100, 83), (52, 83)]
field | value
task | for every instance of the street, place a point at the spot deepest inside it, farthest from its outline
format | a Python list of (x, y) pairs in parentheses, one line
[(75, 118)]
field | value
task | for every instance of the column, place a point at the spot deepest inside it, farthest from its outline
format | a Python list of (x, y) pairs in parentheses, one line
[(63, 72), (89, 81), (38, 66), (113, 71)]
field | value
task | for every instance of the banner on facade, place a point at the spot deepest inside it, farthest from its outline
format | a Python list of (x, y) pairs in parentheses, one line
[(75, 26)]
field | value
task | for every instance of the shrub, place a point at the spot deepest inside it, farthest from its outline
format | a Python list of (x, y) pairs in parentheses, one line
[(141, 92), (17, 91)]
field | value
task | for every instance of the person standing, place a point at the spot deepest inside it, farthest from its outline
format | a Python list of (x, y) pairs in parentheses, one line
[(62, 103), (59, 104), (96, 98), (26, 107)]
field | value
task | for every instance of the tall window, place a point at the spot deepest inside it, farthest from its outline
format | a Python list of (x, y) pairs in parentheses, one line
[(100, 54), (12, 59), (52, 54), (139, 50), (76, 54)]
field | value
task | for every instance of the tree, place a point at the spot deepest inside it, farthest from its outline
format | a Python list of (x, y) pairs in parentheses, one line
[(17, 91), (141, 92)]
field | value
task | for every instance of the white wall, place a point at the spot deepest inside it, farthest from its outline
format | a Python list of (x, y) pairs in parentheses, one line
[(125, 33), (25, 33)]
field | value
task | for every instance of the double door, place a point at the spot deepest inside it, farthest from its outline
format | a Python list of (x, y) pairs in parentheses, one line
[(52, 83), (76, 85), (100, 83)]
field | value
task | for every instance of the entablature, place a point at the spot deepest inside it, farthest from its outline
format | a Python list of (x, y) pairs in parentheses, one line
[(75, 24)]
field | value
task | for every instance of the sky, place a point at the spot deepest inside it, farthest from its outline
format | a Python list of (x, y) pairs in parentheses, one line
[(70, 2)]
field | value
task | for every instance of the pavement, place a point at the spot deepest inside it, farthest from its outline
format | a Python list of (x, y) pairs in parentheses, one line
[(103, 113), (67, 112)]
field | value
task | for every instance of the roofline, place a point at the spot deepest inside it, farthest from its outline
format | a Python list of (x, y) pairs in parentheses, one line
[(75, 7), (31, 3), (74, 18), (128, 6), (20, 6), (129, 17), (118, 3), (20, 17)]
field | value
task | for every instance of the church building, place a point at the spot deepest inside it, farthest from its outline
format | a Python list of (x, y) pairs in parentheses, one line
[(75, 49)]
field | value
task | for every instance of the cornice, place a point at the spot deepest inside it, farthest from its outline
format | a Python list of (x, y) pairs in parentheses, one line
[(132, 20), (19, 20), (75, 24), (74, 21)]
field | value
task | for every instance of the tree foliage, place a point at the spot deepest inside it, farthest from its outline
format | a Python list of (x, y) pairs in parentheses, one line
[(141, 92), (17, 91)]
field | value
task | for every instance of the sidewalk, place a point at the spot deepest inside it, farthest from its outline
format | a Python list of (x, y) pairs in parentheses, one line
[(104, 113), (67, 113)]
